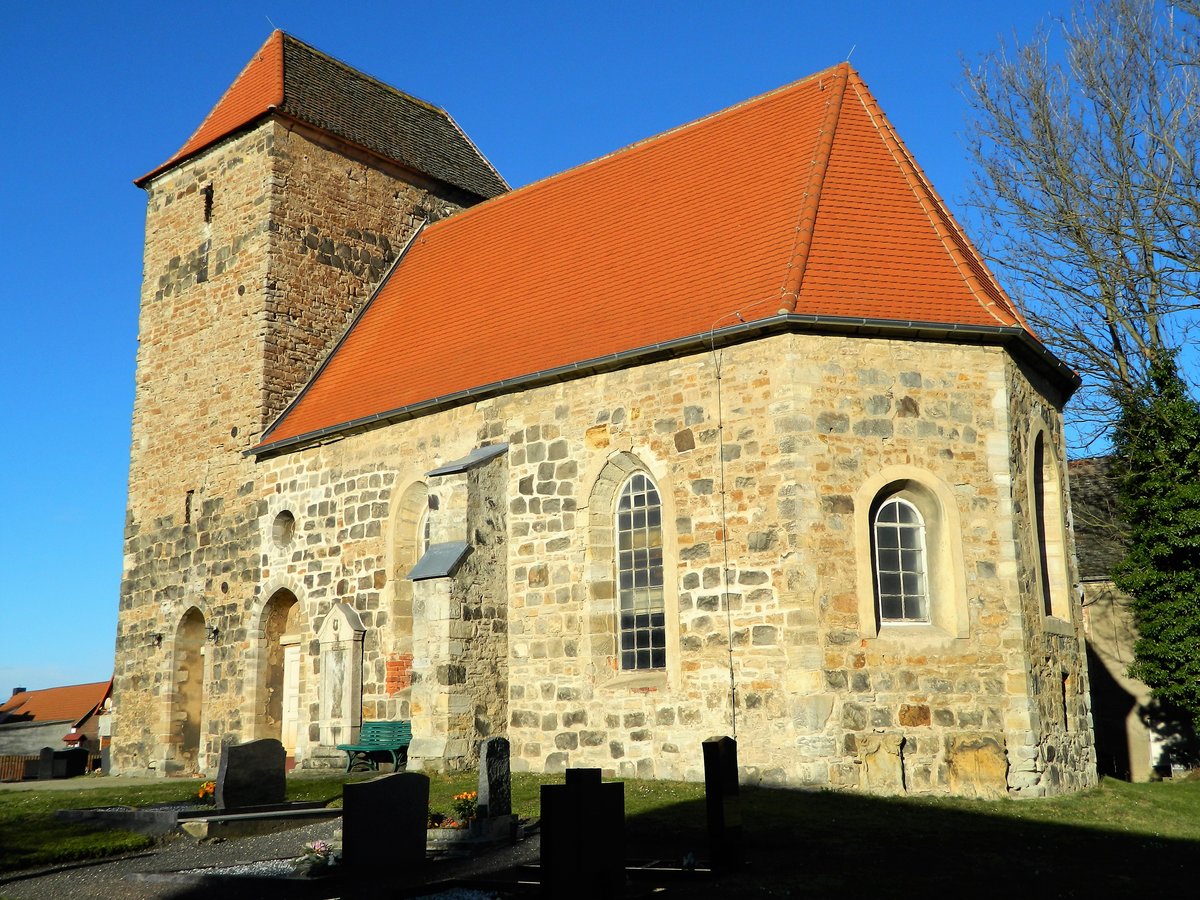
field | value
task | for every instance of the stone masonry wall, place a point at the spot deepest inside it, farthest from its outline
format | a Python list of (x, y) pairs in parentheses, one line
[(257, 253), (807, 421), (1057, 750), (339, 222)]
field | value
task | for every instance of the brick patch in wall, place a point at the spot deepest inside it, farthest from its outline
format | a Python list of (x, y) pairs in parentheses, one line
[(399, 673)]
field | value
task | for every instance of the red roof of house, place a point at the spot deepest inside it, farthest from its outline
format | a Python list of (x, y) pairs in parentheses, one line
[(292, 79), (801, 200), (60, 704)]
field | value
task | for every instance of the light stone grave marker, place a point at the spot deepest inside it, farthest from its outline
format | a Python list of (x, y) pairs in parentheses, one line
[(495, 779)]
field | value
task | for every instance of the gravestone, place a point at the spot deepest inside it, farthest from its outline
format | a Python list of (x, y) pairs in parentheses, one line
[(722, 803), (71, 763), (45, 764), (384, 822), (583, 837), (252, 774), (495, 779)]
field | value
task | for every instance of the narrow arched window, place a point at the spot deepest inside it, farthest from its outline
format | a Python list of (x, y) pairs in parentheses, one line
[(641, 618), (900, 563), (424, 533)]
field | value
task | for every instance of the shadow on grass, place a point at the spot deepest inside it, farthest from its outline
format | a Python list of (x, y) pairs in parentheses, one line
[(826, 844)]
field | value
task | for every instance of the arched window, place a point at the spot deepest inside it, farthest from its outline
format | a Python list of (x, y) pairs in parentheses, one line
[(900, 563), (1048, 530), (424, 533), (909, 557), (641, 616)]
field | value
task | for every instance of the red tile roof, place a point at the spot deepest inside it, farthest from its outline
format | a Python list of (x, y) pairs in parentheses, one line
[(66, 704), (803, 199), (256, 90), (292, 79)]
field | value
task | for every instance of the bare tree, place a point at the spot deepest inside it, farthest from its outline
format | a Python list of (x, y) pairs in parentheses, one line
[(1086, 141)]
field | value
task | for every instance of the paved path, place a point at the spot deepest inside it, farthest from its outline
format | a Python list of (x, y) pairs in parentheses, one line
[(161, 872), (155, 873)]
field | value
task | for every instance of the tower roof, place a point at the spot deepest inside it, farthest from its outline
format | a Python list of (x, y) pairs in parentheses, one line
[(800, 208), (292, 79)]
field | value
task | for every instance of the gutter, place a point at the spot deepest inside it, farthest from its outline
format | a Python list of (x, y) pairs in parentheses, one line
[(1013, 336)]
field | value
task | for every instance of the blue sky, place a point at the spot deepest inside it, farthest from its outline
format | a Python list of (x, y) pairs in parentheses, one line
[(96, 94)]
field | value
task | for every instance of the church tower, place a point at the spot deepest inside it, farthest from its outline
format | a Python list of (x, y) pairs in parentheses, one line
[(265, 234)]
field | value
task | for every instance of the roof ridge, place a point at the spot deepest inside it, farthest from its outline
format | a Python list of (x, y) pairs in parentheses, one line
[(949, 232), (275, 35), (620, 152), (810, 202), (360, 73)]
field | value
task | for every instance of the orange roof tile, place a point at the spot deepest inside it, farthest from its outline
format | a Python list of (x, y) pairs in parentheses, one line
[(257, 89), (802, 200), (292, 79), (66, 704)]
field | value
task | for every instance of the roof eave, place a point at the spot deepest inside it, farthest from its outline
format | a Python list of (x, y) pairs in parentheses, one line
[(283, 116), (174, 162), (1020, 341)]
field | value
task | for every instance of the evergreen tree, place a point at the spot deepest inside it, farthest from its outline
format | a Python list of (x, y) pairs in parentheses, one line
[(1157, 444)]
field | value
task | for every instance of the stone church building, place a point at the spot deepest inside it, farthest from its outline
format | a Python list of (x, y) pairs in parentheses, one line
[(727, 432)]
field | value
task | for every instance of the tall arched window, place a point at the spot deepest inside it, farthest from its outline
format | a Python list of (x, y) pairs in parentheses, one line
[(641, 617), (900, 563), (1048, 530)]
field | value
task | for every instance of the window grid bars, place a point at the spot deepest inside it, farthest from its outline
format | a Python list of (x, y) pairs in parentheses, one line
[(900, 563), (639, 569)]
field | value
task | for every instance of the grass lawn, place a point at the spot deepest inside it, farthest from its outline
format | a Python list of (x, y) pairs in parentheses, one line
[(1116, 840)]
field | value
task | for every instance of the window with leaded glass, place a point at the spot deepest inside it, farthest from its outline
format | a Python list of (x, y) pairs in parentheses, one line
[(900, 572), (641, 628)]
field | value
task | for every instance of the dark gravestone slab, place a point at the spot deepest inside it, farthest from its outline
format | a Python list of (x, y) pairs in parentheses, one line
[(251, 774), (722, 803), (495, 779), (384, 822), (71, 763), (45, 765), (583, 837)]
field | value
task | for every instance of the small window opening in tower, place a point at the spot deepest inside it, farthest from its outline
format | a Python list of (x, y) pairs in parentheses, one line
[(208, 203), (187, 508)]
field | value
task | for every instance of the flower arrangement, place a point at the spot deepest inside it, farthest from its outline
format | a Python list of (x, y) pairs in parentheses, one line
[(317, 856), (317, 852), (466, 805), (207, 792)]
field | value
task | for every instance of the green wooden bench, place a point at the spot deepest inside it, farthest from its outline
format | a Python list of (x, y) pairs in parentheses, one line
[(379, 737)]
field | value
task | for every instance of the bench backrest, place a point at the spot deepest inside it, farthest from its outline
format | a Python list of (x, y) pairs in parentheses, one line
[(385, 732)]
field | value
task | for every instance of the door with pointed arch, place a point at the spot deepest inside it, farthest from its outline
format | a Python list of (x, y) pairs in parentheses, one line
[(187, 695), (279, 674)]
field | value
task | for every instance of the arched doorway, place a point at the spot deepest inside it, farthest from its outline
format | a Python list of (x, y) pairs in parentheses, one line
[(280, 675), (187, 707)]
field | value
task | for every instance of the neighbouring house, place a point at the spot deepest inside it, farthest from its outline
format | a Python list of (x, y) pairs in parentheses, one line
[(59, 718), (727, 432), (1133, 738)]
